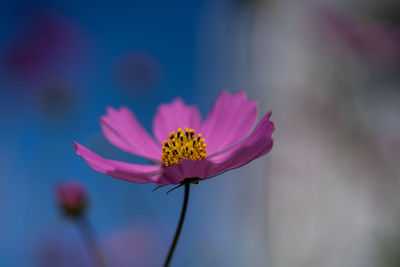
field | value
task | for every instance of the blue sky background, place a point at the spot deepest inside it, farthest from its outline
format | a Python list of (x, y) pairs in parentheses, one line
[(37, 126)]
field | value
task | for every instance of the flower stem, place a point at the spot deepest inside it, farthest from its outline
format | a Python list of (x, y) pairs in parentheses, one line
[(179, 227), (88, 237)]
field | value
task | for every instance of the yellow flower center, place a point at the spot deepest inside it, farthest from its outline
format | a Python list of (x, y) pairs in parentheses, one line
[(183, 145)]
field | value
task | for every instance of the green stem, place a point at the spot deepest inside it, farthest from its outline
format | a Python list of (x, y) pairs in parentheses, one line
[(179, 227)]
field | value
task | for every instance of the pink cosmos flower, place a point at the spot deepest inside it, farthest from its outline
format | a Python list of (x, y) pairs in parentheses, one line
[(223, 141)]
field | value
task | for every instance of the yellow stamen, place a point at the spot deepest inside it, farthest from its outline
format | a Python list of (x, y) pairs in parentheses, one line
[(183, 145)]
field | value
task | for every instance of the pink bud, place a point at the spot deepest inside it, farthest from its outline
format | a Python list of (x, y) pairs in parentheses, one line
[(72, 197)]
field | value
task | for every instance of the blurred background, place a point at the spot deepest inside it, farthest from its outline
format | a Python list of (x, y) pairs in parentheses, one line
[(326, 195)]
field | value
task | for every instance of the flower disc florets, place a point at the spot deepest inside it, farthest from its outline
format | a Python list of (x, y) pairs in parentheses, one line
[(183, 145)]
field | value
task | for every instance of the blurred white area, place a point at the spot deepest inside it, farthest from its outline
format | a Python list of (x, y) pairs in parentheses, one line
[(332, 194), (328, 193)]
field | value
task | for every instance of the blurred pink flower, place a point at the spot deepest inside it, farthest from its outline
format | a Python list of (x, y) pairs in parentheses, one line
[(378, 40), (72, 197), (43, 42), (138, 245), (60, 246), (137, 72), (184, 155)]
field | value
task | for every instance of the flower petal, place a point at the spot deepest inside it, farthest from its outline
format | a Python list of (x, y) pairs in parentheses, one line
[(257, 144), (175, 115), (130, 172), (123, 130), (231, 119), (185, 169)]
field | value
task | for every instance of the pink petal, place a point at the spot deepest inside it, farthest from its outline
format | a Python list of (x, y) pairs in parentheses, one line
[(123, 130), (175, 115), (231, 119), (257, 144), (130, 172), (185, 169)]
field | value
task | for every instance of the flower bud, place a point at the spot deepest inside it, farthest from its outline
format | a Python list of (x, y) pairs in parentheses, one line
[(72, 197)]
